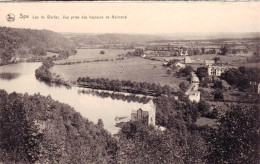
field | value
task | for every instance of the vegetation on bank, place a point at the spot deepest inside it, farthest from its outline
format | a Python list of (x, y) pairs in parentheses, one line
[(37, 129), (43, 74), (31, 45), (125, 86)]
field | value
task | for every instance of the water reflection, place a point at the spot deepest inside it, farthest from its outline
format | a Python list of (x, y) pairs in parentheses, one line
[(89, 105), (116, 96), (9, 76)]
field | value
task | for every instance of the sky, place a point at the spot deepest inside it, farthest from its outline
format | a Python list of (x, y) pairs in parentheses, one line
[(139, 17)]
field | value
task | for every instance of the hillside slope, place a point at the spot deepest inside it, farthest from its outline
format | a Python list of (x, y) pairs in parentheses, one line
[(39, 129), (26, 43), (86, 39)]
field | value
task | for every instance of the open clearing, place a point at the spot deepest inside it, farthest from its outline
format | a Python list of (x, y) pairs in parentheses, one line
[(131, 68), (93, 54)]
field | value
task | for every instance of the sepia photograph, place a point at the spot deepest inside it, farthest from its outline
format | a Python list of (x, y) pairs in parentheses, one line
[(130, 83)]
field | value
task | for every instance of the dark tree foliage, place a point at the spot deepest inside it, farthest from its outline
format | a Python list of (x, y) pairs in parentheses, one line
[(203, 107), (202, 72), (217, 59), (144, 144), (37, 129), (171, 112), (218, 95), (241, 77), (202, 50), (22, 42), (237, 137), (218, 84), (185, 71), (43, 72), (126, 86), (138, 52), (183, 86), (224, 49)]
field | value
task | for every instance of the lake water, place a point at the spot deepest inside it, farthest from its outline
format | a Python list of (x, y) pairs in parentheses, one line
[(20, 78)]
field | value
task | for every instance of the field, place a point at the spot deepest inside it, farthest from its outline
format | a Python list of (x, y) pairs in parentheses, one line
[(93, 54), (230, 60), (131, 68)]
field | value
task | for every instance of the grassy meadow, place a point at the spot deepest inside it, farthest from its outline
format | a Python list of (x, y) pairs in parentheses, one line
[(93, 54), (130, 68)]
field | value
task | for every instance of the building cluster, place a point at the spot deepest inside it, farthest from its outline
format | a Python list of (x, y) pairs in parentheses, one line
[(167, 49)]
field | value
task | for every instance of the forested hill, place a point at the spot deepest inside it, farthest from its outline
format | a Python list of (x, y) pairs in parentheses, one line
[(37, 129), (86, 39), (17, 44)]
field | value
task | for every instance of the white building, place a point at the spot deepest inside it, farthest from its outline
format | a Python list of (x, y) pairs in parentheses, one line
[(179, 65), (145, 114), (216, 70), (209, 62), (194, 96)]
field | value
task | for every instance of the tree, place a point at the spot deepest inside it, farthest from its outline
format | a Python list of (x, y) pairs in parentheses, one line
[(224, 50), (237, 138), (218, 95), (185, 71), (102, 52), (217, 59), (203, 50), (202, 72), (203, 107), (183, 86), (218, 84), (100, 123)]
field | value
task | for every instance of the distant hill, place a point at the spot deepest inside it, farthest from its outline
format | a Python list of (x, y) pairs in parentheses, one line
[(210, 36), (88, 39), (16, 42)]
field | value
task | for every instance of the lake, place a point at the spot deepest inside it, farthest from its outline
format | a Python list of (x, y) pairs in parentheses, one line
[(20, 78)]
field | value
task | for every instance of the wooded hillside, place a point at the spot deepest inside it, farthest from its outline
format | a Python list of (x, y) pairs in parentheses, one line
[(39, 129), (26, 43)]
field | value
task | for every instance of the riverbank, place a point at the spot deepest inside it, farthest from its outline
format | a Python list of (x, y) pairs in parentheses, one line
[(43, 74)]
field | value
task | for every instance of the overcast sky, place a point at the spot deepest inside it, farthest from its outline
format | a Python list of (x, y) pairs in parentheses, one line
[(142, 17)]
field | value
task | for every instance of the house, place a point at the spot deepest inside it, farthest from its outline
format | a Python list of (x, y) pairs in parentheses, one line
[(209, 62), (255, 86), (178, 65), (165, 64), (145, 114), (216, 70), (183, 52), (194, 96), (144, 55)]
